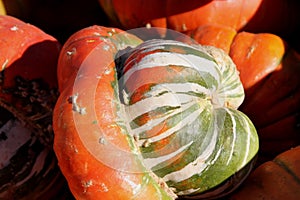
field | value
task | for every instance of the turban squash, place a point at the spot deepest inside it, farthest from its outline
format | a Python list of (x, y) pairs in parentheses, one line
[(269, 70), (28, 92), (149, 119)]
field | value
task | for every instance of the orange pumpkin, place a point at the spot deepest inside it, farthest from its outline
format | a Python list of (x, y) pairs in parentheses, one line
[(276, 179), (269, 70), (276, 16), (56, 17), (28, 92)]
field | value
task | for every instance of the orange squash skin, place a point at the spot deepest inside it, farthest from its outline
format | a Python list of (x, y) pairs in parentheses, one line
[(48, 15), (177, 15), (275, 16), (277, 179), (29, 53), (27, 42), (269, 70), (88, 177)]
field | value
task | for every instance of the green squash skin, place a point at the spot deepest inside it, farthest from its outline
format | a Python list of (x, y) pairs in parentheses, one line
[(149, 178), (218, 141)]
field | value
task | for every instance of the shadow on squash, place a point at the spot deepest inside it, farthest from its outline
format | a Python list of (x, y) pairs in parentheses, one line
[(33, 63), (26, 102), (276, 179), (274, 107), (56, 17), (285, 23)]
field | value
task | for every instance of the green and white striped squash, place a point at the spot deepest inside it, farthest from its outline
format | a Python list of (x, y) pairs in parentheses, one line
[(181, 106)]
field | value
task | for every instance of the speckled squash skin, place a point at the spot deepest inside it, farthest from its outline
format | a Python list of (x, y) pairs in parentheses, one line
[(88, 177)]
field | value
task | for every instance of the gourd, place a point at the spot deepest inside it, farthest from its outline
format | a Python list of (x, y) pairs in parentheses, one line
[(57, 18), (269, 70), (152, 119), (28, 92), (275, 16)]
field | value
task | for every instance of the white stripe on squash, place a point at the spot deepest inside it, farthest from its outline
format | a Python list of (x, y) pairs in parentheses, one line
[(224, 99)]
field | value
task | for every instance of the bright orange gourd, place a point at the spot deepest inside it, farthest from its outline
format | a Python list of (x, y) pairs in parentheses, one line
[(28, 93), (276, 16), (56, 17)]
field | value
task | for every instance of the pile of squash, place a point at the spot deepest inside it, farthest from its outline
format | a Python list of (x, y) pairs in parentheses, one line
[(132, 99)]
